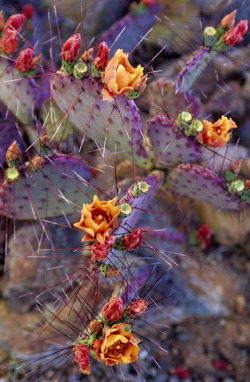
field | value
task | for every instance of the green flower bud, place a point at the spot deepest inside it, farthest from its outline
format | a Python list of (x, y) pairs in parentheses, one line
[(140, 189), (125, 211)]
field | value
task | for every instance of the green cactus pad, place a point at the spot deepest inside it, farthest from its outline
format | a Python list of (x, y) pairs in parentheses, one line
[(40, 194), (196, 182), (170, 145), (162, 98), (114, 125), (193, 68), (18, 94)]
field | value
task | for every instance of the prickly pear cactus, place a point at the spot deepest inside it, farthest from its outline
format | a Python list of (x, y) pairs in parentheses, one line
[(58, 188), (115, 125), (196, 182), (171, 146)]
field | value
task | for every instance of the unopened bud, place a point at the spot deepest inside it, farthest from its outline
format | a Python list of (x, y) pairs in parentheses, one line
[(140, 189), (195, 127), (80, 69), (13, 153), (228, 21), (126, 210), (45, 141), (95, 326), (112, 272), (183, 119), (133, 94)]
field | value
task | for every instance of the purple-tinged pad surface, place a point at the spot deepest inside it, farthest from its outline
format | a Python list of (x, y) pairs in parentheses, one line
[(171, 146), (114, 125), (219, 159), (162, 98), (139, 205), (198, 183), (18, 94), (8, 134), (193, 68), (136, 26), (60, 187)]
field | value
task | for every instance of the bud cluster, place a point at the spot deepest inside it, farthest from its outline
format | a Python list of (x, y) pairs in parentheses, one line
[(189, 125)]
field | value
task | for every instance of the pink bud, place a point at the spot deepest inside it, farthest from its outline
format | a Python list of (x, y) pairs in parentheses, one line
[(235, 35), (113, 310), (25, 60), (133, 240), (102, 57), (100, 251), (136, 308), (203, 233), (70, 49), (8, 42), (28, 11), (14, 22)]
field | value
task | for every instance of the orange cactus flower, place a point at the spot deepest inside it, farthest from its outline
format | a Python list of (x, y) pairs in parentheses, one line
[(217, 134), (118, 346), (98, 219), (120, 77)]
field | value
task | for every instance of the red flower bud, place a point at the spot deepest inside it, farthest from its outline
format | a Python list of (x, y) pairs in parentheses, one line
[(247, 185), (82, 357), (28, 11), (113, 310), (8, 43), (136, 308), (14, 22), (24, 60), (70, 49), (2, 23), (181, 372), (100, 251), (221, 365), (235, 35), (133, 240), (102, 57), (148, 3), (203, 232)]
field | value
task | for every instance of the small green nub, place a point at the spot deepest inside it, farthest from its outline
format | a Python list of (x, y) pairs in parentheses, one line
[(103, 269), (230, 176), (197, 125), (80, 70), (125, 211), (127, 329), (94, 71), (210, 31), (12, 174), (118, 244), (140, 189), (91, 339), (183, 119), (133, 94), (92, 353), (236, 186), (68, 67), (210, 36)]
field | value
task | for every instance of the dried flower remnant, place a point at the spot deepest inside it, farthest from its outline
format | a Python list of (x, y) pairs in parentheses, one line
[(133, 240), (113, 310), (82, 358), (228, 21), (8, 42), (235, 36), (25, 61), (98, 219), (2, 23), (13, 153), (87, 55), (217, 134), (136, 308), (118, 346), (100, 251), (120, 77), (95, 326), (71, 47)]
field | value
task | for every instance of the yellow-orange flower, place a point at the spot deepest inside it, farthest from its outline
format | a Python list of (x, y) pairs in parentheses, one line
[(98, 219), (217, 134), (120, 77), (118, 346)]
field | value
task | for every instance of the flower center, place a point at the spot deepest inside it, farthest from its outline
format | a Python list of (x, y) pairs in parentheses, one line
[(99, 216), (117, 348)]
